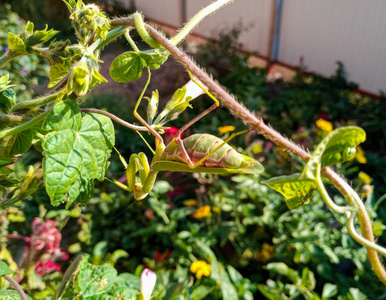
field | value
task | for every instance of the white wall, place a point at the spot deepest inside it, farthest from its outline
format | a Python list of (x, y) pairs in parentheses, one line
[(351, 31), (322, 31), (254, 13)]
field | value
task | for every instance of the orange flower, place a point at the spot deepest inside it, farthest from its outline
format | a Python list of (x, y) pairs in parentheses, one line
[(202, 212), (267, 252)]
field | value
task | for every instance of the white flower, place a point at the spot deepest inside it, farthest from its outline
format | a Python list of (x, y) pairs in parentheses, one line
[(148, 279), (193, 90)]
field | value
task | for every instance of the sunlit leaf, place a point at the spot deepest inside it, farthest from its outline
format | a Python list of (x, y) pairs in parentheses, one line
[(4, 269), (126, 67), (15, 43), (154, 58), (297, 191), (76, 152), (57, 72)]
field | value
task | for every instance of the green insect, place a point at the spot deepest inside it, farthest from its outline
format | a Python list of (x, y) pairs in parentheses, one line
[(200, 153)]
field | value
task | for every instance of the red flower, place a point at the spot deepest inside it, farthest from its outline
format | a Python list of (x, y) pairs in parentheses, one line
[(177, 191), (170, 133), (46, 268)]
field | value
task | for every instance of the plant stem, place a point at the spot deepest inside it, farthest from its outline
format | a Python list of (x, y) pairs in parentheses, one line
[(17, 286), (112, 35), (34, 103), (130, 40), (8, 57), (179, 37), (258, 124), (24, 126), (115, 118), (13, 118)]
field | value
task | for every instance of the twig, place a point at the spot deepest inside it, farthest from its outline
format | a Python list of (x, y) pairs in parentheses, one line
[(115, 118), (17, 286)]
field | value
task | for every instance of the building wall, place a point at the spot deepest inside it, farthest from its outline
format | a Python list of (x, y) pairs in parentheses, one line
[(322, 32)]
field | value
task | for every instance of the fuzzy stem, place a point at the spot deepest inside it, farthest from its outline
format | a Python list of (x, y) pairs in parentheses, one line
[(6, 58), (13, 118), (17, 286), (258, 124), (193, 22), (24, 126), (34, 103), (115, 118)]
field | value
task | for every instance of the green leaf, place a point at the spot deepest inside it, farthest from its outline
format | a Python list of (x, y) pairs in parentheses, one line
[(11, 295), (29, 28), (357, 294), (154, 58), (297, 191), (76, 152), (308, 279), (329, 290), (57, 72), (221, 277), (40, 36), (127, 67), (235, 276), (174, 107), (283, 269), (101, 282), (19, 143), (4, 269), (15, 43), (7, 100), (338, 146), (269, 293), (68, 278), (174, 290)]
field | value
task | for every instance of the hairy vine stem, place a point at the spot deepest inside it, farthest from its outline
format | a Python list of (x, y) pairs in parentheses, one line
[(17, 286), (34, 102), (258, 124), (115, 118)]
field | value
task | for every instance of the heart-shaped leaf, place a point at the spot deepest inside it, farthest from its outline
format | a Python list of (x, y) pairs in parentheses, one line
[(15, 43), (4, 269), (127, 67), (76, 152), (297, 191), (154, 58)]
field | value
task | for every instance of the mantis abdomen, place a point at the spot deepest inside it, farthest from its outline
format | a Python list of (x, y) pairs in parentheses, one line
[(200, 145)]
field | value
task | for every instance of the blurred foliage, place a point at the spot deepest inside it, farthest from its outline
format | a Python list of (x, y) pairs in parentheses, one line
[(26, 72)]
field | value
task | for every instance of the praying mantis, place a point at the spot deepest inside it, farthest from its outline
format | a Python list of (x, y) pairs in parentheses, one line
[(200, 153)]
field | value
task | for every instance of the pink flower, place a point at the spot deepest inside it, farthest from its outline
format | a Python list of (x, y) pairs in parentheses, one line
[(148, 279), (46, 268)]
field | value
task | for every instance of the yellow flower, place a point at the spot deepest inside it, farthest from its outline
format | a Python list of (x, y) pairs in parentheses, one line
[(324, 125), (365, 177), (267, 252), (216, 209), (202, 212), (226, 129), (257, 148), (190, 202), (200, 268), (360, 156)]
